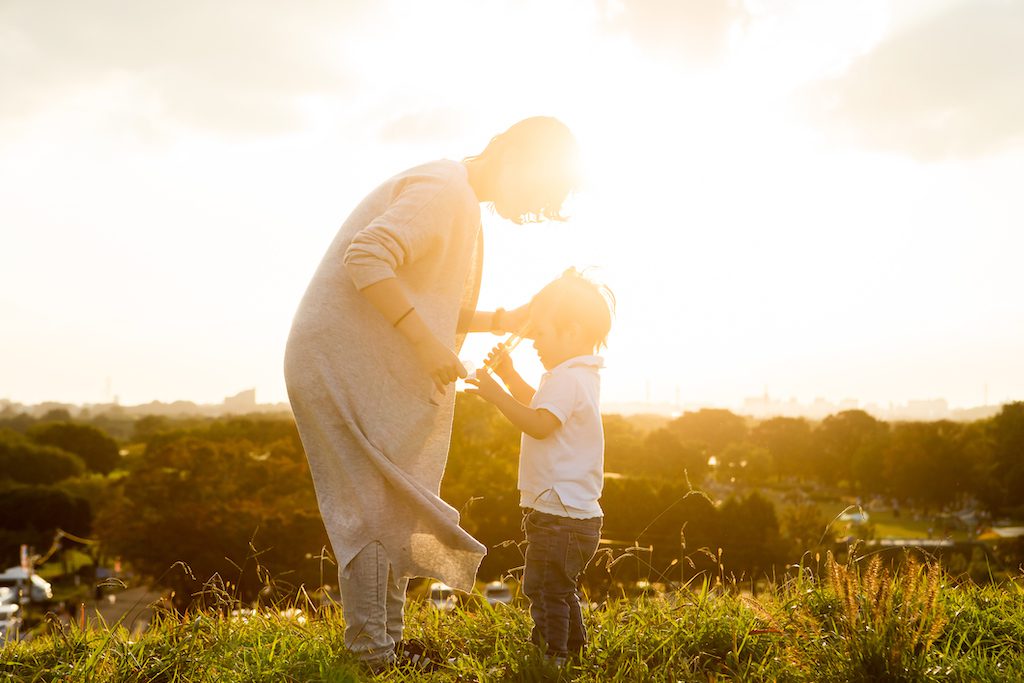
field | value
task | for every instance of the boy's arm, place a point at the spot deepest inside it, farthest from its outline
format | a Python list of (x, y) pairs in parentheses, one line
[(517, 386), (501, 365), (536, 422)]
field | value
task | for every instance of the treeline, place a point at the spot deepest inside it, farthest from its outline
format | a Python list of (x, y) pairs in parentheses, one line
[(220, 496), (48, 473), (670, 527), (223, 496), (925, 465)]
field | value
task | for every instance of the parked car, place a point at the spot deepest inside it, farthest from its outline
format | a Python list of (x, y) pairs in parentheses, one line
[(442, 597), (10, 622), (855, 517), (33, 587), (497, 591)]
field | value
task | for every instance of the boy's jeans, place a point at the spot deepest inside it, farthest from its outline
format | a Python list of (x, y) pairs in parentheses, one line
[(557, 551), (373, 605)]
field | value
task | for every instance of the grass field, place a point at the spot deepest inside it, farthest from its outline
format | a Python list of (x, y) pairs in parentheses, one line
[(888, 525), (852, 622)]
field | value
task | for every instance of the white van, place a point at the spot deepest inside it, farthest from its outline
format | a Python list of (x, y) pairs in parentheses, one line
[(497, 592), (33, 587), (10, 622)]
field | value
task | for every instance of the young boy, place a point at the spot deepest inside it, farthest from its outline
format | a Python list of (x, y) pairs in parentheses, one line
[(561, 460)]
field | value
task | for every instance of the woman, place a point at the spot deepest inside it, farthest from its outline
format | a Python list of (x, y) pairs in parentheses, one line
[(373, 350)]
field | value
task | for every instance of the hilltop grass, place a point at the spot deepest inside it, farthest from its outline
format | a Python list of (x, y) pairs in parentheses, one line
[(854, 622)]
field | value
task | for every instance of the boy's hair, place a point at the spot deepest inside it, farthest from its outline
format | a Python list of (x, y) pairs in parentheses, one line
[(575, 299), (540, 142)]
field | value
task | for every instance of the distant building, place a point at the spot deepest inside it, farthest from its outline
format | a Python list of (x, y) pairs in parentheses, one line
[(242, 402), (935, 409)]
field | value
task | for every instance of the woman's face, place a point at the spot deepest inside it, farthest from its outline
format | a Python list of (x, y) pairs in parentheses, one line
[(527, 189)]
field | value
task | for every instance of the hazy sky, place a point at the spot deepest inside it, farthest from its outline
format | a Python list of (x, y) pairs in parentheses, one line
[(820, 197)]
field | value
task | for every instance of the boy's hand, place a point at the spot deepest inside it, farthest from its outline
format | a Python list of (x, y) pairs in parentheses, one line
[(484, 386), (500, 362)]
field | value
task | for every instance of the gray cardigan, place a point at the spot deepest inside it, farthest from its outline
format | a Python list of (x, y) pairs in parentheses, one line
[(372, 430)]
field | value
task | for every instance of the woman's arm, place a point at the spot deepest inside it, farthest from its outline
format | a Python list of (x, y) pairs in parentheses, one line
[(495, 321), (478, 321), (411, 227), (440, 362)]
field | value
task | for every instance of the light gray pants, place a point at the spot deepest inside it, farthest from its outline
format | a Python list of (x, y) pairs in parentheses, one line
[(373, 605)]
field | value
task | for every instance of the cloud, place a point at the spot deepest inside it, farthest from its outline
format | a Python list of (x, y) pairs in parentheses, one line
[(950, 86), (695, 31), (219, 65)]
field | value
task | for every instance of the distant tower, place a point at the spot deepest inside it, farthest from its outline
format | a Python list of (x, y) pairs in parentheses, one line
[(242, 402), (648, 391), (986, 394)]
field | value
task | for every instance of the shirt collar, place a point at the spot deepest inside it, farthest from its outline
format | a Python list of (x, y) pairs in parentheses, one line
[(595, 362)]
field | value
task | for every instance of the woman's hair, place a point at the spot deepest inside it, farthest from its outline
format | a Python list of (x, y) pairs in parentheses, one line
[(540, 142), (574, 299)]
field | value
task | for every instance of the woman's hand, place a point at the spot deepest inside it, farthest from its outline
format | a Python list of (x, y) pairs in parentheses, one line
[(516, 319), (484, 386), (440, 362)]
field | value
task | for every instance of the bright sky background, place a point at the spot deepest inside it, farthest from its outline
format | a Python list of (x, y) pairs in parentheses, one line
[(820, 197)]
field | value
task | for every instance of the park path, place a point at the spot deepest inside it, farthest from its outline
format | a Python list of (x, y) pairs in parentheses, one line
[(132, 607)]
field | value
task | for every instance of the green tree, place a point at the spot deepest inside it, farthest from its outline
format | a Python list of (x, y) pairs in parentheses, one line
[(150, 425), (92, 487), (32, 514), (662, 454), (23, 461), (926, 463), (56, 415), (713, 427), (749, 532), (662, 514), (201, 497), (97, 450), (805, 529), (1004, 484), (746, 463), (623, 443), (18, 422), (851, 447), (791, 443)]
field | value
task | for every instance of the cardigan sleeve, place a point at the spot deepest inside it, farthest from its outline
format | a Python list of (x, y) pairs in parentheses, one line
[(417, 220)]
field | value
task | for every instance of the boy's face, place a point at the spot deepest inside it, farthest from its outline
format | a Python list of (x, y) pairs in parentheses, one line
[(556, 345)]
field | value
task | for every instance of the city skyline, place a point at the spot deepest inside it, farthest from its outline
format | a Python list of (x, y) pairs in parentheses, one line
[(756, 407)]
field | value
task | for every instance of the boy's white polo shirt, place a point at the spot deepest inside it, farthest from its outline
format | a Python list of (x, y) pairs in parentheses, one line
[(563, 474)]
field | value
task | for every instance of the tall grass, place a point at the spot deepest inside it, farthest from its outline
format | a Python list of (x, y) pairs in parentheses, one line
[(859, 620)]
